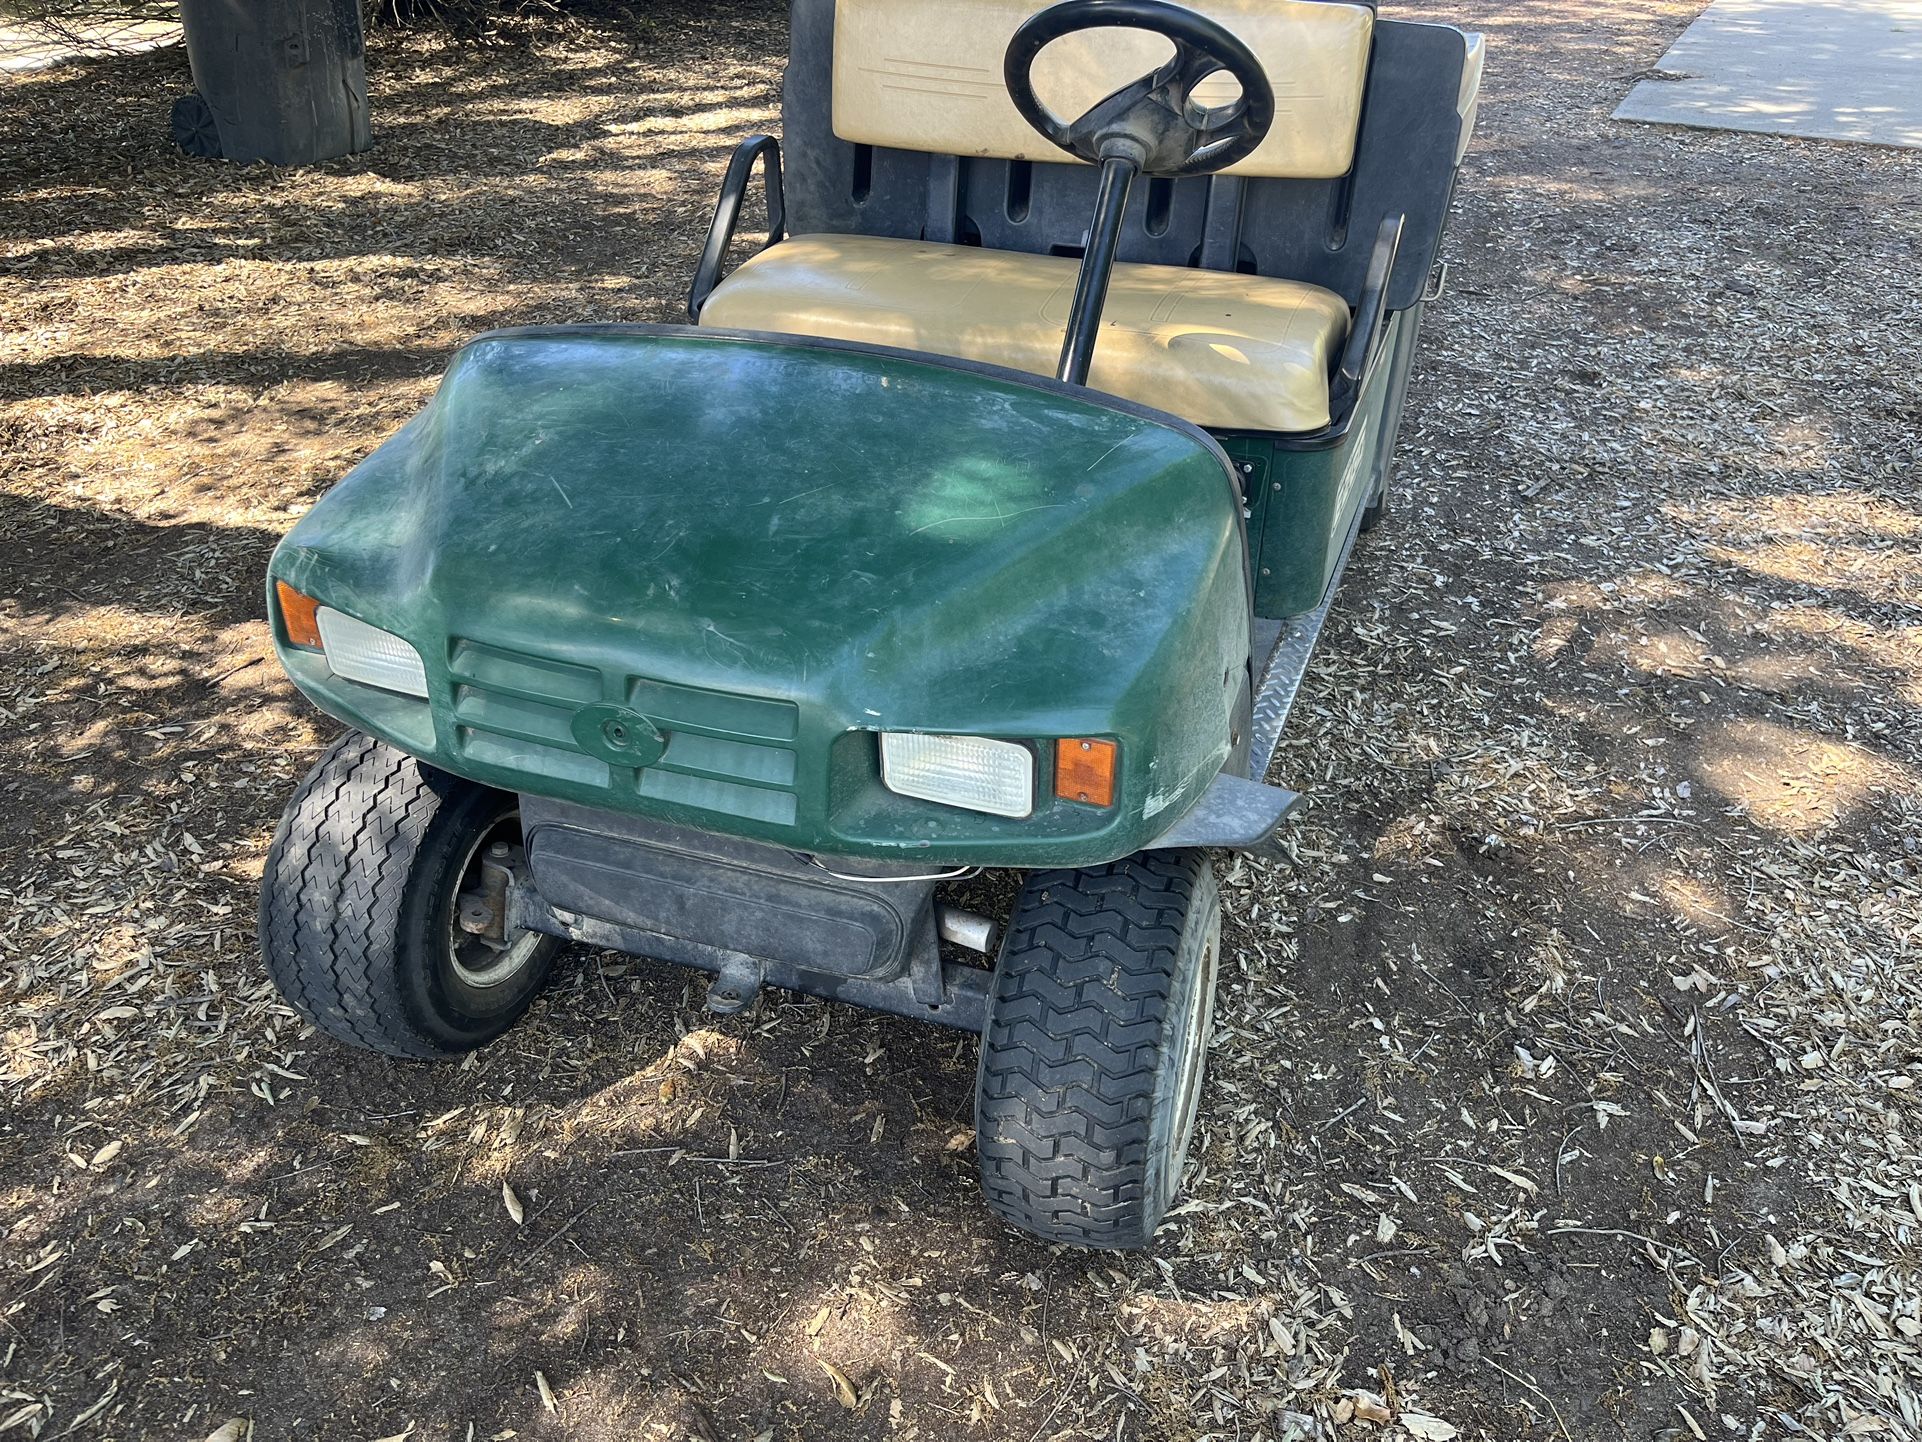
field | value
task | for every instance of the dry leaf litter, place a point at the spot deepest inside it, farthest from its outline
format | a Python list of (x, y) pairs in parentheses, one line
[(1566, 1074)]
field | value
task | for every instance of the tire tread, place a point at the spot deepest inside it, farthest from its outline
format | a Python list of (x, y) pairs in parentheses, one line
[(1074, 1046), (334, 885)]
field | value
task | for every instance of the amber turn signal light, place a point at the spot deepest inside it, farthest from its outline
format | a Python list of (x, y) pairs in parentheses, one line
[(1084, 770), (297, 617)]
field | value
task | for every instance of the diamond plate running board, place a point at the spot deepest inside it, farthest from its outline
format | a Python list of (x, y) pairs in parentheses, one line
[(1293, 642)]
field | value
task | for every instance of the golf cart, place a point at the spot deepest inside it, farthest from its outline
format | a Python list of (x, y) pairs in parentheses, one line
[(984, 518)]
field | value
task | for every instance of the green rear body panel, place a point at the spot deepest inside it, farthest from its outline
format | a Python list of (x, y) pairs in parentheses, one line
[(1304, 491), (772, 549)]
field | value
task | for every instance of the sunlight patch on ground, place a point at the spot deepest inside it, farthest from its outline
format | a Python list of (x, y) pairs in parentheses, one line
[(1790, 780)]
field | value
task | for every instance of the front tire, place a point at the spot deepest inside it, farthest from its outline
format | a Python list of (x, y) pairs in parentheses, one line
[(360, 906), (1092, 1058)]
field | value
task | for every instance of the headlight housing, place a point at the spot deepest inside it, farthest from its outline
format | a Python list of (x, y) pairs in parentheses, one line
[(356, 651), (971, 772)]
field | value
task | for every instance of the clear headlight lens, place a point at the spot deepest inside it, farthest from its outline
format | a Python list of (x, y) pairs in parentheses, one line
[(359, 652), (968, 771)]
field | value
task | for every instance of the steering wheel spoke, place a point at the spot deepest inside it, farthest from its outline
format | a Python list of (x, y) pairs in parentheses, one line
[(1189, 67)]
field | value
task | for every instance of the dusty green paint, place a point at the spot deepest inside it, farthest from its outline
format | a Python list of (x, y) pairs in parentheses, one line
[(760, 553)]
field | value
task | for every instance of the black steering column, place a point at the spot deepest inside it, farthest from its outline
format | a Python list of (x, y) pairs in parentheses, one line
[(1150, 127)]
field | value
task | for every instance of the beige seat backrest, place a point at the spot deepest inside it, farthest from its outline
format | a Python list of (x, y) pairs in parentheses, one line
[(926, 75), (1468, 99)]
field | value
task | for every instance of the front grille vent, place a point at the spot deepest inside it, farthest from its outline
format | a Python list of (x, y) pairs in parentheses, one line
[(728, 754)]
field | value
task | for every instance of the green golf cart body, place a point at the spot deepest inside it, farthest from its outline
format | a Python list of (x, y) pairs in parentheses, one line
[(729, 643)]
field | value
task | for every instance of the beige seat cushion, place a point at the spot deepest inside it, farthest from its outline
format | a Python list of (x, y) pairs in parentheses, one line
[(1231, 352)]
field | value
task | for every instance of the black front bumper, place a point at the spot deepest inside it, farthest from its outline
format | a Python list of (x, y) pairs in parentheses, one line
[(753, 914)]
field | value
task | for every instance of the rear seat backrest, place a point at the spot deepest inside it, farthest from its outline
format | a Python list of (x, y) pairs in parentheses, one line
[(1321, 230), (925, 75)]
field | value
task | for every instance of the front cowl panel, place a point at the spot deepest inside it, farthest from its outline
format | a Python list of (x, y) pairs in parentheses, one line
[(688, 574)]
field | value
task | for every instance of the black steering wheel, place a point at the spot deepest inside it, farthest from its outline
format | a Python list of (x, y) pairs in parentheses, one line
[(1154, 121)]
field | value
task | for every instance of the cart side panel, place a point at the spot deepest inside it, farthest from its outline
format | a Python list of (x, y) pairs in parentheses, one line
[(1302, 502)]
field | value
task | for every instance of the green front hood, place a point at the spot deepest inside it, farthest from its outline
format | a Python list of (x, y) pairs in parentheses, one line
[(770, 549)]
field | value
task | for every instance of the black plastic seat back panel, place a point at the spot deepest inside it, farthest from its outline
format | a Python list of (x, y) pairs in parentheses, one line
[(1319, 231)]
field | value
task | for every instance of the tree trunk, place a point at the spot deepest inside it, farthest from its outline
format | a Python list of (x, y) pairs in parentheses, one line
[(283, 81)]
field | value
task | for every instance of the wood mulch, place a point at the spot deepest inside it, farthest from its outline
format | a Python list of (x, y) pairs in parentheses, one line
[(1567, 1073)]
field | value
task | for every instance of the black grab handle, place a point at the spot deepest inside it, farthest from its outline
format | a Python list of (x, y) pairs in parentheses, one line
[(1364, 340), (727, 214)]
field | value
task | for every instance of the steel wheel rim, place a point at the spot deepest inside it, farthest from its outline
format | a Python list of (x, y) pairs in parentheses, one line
[(1194, 1054), (472, 960)]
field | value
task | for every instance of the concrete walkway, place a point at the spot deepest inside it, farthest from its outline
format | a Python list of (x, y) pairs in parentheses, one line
[(27, 47), (1836, 69)]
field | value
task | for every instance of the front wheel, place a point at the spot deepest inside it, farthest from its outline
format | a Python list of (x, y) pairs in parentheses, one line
[(1092, 1057), (382, 907)]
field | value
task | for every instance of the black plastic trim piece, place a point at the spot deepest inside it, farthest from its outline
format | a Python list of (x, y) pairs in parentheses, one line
[(944, 199), (963, 1005), (747, 911), (1235, 812), (1364, 336), (727, 214), (1221, 226)]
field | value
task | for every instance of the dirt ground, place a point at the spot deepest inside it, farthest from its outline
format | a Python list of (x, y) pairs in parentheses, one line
[(1566, 1076)]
